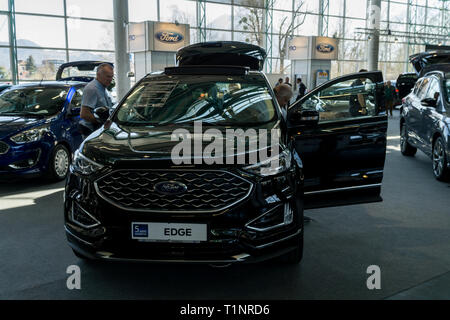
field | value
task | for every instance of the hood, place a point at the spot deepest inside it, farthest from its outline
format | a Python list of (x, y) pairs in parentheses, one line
[(80, 66), (122, 144), (9, 125), (429, 61)]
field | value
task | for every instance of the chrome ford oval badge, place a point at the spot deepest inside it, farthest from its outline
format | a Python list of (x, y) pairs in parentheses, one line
[(170, 188), (325, 48), (169, 37)]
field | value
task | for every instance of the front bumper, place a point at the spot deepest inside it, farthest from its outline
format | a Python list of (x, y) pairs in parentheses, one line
[(25, 159), (230, 240)]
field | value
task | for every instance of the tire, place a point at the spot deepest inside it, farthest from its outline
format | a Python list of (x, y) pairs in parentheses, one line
[(295, 256), (439, 157), (58, 165), (406, 149)]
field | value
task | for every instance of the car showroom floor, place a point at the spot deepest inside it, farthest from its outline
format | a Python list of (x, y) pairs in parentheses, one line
[(407, 236)]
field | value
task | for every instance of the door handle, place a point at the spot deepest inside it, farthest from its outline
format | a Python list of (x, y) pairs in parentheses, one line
[(356, 138)]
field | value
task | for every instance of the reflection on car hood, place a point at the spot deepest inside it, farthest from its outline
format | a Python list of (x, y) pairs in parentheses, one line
[(11, 124), (107, 146)]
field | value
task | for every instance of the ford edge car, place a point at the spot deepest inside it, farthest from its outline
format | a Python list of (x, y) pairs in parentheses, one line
[(127, 199)]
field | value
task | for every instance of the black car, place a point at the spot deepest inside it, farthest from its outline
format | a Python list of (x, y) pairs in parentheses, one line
[(425, 120), (128, 197), (405, 83)]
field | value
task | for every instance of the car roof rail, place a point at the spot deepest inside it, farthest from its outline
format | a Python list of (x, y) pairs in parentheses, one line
[(208, 70)]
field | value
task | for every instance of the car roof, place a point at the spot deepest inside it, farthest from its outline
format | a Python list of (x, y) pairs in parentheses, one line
[(50, 84)]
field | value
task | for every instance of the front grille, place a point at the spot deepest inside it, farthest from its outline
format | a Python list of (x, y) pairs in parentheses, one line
[(4, 147), (207, 191)]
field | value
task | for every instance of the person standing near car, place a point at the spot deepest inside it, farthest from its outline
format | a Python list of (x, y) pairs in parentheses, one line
[(358, 105), (286, 81), (95, 96), (389, 96), (301, 89), (283, 93)]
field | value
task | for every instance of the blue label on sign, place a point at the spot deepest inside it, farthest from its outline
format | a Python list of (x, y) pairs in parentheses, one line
[(325, 48), (140, 230), (169, 36)]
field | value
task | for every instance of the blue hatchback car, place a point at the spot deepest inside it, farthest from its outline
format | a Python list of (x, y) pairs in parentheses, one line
[(39, 123), (39, 128)]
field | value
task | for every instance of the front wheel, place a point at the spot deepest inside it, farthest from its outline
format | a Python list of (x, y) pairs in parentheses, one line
[(440, 167), (59, 163), (406, 149)]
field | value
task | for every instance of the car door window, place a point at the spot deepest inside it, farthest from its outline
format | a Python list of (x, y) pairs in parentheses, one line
[(433, 89), (417, 87), (344, 100), (423, 88)]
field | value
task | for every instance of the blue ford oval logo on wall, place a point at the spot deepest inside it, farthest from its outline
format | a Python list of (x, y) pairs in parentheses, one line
[(325, 48), (169, 37), (170, 188)]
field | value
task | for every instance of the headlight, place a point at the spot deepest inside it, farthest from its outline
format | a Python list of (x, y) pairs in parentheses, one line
[(272, 166), (29, 135), (83, 165)]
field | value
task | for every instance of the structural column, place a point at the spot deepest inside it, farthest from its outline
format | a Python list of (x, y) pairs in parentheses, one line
[(374, 27), (122, 63)]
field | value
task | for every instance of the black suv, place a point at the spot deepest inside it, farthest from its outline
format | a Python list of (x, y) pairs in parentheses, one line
[(405, 83), (425, 121), (128, 197)]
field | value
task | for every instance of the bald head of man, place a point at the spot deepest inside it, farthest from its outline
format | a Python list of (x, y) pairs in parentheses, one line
[(283, 93)]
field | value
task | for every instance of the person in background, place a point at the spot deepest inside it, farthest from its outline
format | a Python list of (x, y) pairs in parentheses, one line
[(95, 96), (280, 81), (286, 81), (357, 101), (301, 89), (389, 96), (283, 93)]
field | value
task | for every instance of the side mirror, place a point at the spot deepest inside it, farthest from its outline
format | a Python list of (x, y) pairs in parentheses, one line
[(308, 118), (429, 102)]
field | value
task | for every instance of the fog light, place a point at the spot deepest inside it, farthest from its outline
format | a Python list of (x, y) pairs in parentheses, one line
[(25, 164), (81, 217), (288, 214), (277, 217)]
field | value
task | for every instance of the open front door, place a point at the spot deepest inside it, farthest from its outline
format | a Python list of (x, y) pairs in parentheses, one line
[(344, 152)]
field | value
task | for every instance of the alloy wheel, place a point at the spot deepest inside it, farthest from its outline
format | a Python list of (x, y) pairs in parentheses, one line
[(438, 158), (61, 163)]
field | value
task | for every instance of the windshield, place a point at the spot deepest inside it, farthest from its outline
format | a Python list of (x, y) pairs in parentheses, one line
[(32, 101), (218, 100)]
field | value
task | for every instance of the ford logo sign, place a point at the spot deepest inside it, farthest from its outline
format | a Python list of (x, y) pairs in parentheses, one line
[(170, 188), (325, 48), (169, 37)]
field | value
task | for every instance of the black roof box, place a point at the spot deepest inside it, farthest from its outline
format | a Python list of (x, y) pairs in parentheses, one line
[(224, 53)]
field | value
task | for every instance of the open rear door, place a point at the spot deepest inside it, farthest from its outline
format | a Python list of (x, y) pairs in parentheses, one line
[(344, 153)]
